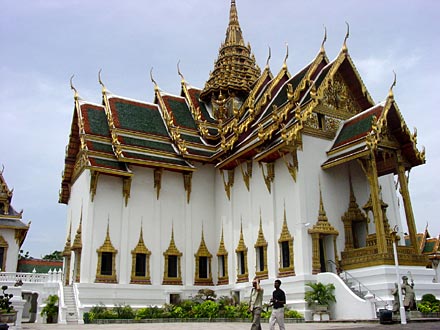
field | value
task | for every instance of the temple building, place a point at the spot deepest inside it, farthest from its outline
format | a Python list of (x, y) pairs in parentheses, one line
[(261, 172), (13, 230)]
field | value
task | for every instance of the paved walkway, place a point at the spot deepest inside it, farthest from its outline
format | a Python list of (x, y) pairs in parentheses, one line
[(229, 326)]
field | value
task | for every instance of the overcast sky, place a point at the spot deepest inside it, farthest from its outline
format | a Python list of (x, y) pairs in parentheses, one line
[(44, 42)]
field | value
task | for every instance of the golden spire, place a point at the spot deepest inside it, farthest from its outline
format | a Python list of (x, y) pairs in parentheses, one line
[(235, 69), (233, 32), (67, 247), (77, 242)]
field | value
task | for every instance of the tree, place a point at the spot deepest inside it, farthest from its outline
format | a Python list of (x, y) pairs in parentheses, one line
[(55, 255)]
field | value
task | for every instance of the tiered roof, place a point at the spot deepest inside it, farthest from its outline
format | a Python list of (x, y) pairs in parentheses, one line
[(9, 217), (175, 132)]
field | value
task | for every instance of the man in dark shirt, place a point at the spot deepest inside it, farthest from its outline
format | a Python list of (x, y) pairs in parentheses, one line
[(278, 300)]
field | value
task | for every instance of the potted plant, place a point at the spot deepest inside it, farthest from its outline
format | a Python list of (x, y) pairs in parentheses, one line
[(50, 310), (319, 297), (7, 312)]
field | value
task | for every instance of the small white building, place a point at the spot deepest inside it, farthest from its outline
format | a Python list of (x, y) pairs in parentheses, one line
[(13, 230), (279, 175)]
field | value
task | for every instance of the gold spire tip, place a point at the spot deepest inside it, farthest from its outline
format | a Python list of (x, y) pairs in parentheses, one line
[(287, 55), (72, 87), (324, 40), (100, 80), (391, 94), (268, 57), (178, 71), (344, 46)]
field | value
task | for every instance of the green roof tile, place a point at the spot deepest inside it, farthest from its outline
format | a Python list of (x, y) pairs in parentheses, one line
[(96, 121), (107, 163), (141, 118), (147, 144), (181, 112), (156, 158), (102, 147)]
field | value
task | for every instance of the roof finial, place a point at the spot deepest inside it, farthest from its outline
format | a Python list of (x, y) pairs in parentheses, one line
[(152, 79), (287, 55), (73, 87), (344, 46), (390, 93), (268, 57), (180, 73), (322, 51), (100, 81)]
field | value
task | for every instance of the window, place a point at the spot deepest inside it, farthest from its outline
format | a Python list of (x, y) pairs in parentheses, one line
[(172, 266), (140, 258), (2, 255), (221, 266), (203, 267), (285, 254), (260, 259), (141, 262), (106, 263), (242, 263)]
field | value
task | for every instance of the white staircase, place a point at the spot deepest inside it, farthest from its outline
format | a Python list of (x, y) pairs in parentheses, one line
[(69, 301)]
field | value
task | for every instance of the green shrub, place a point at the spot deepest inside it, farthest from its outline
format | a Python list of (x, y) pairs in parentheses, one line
[(123, 312), (429, 297), (153, 312), (292, 314), (207, 309)]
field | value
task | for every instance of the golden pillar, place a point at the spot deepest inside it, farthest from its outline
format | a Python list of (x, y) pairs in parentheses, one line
[(407, 203), (376, 204), (316, 264)]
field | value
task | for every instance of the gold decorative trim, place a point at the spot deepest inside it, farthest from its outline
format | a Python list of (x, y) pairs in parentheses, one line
[(292, 167), (106, 247), (126, 187), (320, 229), (285, 237), (261, 248), (94, 175), (140, 249), (172, 251), (270, 176), (223, 253), (247, 174), (187, 183), (5, 246), (353, 214), (228, 185), (157, 180), (203, 252), (241, 252), (67, 252)]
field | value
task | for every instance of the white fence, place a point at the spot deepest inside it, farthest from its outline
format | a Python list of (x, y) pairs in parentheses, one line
[(34, 277)]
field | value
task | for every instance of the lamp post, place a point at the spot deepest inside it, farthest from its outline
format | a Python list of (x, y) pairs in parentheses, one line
[(394, 238)]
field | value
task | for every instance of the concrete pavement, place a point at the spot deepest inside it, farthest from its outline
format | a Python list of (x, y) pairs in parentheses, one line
[(230, 326)]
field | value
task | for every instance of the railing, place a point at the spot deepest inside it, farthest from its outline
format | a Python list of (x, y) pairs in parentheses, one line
[(34, 277), (360, 287)]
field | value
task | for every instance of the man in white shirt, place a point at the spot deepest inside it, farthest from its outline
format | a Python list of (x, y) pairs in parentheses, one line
[(256, 304)]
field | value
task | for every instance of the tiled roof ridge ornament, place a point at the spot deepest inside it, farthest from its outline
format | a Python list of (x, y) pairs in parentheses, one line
[(322, 50), (156, 87), (268, 57), (391, 93), (287, 56), (76, 95), (344, 45)]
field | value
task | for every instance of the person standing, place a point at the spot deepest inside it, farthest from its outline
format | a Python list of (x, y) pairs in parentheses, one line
[(278, 301), (256, 304)]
